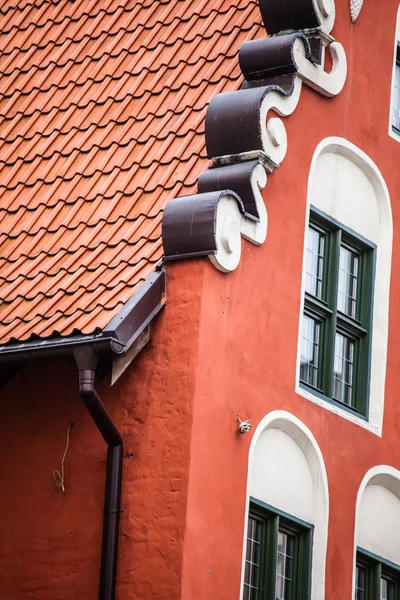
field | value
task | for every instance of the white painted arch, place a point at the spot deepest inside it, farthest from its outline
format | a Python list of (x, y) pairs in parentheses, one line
[(282, 440), (347, 185), (377, 518)]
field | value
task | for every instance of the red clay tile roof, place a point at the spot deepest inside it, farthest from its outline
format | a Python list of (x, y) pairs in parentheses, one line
[(102, 110)]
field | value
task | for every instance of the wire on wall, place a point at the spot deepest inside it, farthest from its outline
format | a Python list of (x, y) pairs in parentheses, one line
[(59, 478)]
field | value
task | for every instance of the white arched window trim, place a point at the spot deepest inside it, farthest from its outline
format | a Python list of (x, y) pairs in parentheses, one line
[(380, 318), (384, 476), (293, 427)]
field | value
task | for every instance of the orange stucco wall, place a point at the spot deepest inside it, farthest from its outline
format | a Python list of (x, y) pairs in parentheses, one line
[(225, 345)]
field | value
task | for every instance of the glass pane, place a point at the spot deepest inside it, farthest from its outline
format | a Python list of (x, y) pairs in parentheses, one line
[(360, 583), (384, 589), (387, 589), (310, 340), (284, 567), (396, 100), (253, 558), (343, 369), (347, 284), (315, 262)]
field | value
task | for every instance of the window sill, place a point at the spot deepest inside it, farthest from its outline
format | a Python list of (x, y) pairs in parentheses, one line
[(336, 408)]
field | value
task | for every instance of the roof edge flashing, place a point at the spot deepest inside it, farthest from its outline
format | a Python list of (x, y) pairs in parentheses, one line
[(113, 342)]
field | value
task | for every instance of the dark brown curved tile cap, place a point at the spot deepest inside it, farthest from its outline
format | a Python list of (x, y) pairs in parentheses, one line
[(270, 57), (233, 177), (189, 224), (283, 15), (241, 108)]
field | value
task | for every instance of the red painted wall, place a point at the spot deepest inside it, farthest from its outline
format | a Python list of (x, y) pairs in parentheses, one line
[(249, 332), (224, 345), (50, 541)]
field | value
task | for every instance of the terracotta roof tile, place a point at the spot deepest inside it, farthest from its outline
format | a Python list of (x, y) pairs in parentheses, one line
[(102, 108)]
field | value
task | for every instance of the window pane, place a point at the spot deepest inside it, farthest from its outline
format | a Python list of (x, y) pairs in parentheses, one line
[(360, 583), (343, 369), (314, 262), (347, 284), (387, 589), (310, 341), (396, 100), (284, 567), (253, 557)]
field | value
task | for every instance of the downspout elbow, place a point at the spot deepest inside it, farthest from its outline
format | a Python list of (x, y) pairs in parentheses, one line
[(96, 408)]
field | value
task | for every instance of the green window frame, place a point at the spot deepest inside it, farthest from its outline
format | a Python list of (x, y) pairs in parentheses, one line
[(337, 317), (396, 99), (376, 578), (278, 555)]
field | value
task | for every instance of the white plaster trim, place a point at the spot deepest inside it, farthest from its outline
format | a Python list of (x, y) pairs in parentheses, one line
[(385, 476), (273, 131), (232, 225), (327, 13), (328, 84), (392, 134), (292, 426), (381, 290)]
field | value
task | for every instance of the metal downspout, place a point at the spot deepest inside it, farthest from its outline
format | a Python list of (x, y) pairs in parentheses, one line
[(112, 500)]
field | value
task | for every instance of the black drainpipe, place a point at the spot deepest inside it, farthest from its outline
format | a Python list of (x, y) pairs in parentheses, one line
[(87, 362)]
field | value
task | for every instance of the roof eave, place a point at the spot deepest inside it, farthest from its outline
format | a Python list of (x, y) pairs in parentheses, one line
[(115, 339)]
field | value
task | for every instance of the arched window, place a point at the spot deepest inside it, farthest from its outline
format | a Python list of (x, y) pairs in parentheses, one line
[(376, 574), (287, 520), (345, 289)]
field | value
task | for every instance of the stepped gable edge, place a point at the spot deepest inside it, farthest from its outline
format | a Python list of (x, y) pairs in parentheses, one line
[(244, 142)]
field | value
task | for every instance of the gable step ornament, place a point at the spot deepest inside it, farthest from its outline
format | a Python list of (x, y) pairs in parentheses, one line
[(245, 142)]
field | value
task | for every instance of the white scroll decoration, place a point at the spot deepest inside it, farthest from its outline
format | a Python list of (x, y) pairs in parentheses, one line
[(273, 132), (355, 9), (327, 13), (328, 84), (232, 225)]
